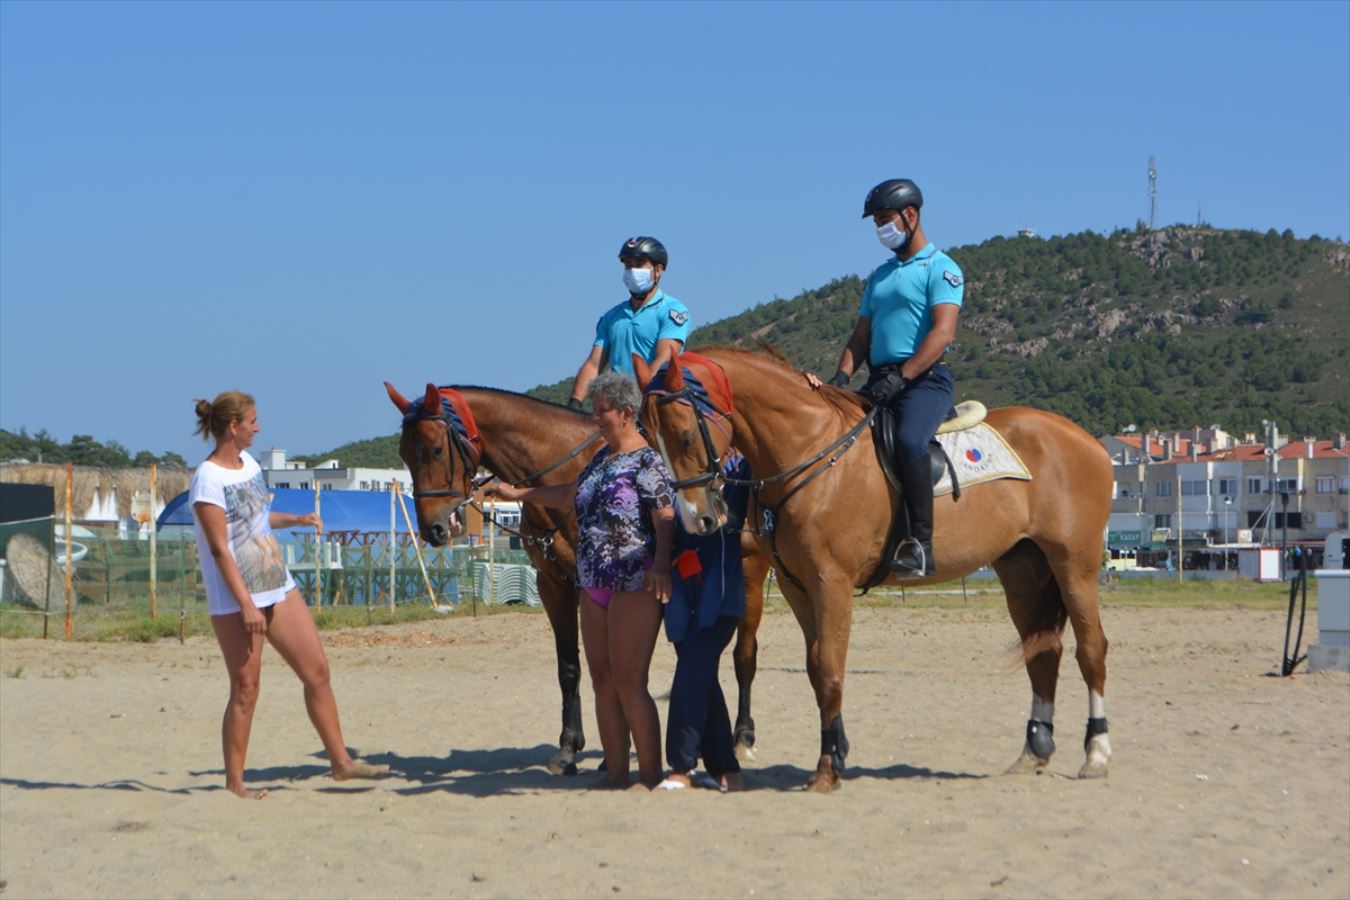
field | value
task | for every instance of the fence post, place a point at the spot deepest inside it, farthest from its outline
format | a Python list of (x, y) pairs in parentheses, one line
[(393, 547), (318, 578), (182, 589), (154, 551), (70, 586)]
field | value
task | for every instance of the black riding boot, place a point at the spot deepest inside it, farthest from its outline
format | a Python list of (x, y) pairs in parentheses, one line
[(914, 559)]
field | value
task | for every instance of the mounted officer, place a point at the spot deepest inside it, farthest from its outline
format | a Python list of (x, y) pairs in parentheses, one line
[(651, 323), (905, 322)]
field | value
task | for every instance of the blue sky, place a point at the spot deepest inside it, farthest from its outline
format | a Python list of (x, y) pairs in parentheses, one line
[(303, 200)]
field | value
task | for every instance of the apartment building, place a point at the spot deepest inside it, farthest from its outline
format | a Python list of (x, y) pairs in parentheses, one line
[(283, 473), (1216, 491)]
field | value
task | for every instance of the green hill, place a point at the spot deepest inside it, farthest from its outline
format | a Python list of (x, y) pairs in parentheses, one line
[(1167, 329)]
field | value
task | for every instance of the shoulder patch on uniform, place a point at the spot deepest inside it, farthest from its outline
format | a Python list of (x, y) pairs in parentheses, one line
[(679, 317), (952, 278)]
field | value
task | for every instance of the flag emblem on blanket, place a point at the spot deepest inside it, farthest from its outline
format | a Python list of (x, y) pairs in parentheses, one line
[(974, 455)]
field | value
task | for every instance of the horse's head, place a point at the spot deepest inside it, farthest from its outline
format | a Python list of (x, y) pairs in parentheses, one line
[(442, 459), (686, 410)]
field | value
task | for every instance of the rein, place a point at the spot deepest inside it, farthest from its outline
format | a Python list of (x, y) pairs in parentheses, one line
[(575, 451), (697, 400)]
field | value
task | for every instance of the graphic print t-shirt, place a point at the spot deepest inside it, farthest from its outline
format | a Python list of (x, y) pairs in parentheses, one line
[(244, 496)]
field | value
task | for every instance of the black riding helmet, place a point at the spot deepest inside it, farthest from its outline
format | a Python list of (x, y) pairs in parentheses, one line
[(893, 193), (648, 248)]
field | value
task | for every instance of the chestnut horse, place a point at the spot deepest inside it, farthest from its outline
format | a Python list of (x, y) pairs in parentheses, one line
[(528, 441), (823, 518)]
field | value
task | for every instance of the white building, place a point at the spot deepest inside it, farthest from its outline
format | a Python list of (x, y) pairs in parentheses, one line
[(281, 473)]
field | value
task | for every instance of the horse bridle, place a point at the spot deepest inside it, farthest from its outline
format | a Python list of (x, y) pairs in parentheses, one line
[(696, 402), (461, 447)]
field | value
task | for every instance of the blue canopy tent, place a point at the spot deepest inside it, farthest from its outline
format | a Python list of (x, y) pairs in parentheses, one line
[(340, 510)]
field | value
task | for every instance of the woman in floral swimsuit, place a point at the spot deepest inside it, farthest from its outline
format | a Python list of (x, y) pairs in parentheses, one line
[(626, 519)]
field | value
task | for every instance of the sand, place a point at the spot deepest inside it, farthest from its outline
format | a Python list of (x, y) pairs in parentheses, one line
[(1225, 782)]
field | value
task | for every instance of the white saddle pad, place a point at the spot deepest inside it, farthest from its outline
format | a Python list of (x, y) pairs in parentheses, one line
[(979, 454)]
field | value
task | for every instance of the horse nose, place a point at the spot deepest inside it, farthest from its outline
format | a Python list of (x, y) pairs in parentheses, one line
[(437, 534), (707, 524)]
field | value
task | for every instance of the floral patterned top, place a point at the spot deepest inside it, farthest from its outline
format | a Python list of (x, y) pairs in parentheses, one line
[(616, 494)]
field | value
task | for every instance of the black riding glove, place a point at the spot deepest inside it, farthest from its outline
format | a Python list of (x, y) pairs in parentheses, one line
[(838, 379), (886, 388), (574, 403)]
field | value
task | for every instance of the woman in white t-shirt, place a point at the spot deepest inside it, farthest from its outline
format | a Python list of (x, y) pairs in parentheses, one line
[(249, 591)]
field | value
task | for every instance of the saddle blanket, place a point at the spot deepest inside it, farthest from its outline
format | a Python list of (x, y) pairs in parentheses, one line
[(979, 454)]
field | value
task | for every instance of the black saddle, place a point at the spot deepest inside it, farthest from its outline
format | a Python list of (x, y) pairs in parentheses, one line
[(886, 438)]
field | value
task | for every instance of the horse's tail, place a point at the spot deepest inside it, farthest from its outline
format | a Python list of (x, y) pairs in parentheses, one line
[(1042, 614)]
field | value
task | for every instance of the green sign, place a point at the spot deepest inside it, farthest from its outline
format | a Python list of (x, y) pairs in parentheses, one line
[(1122, 538)]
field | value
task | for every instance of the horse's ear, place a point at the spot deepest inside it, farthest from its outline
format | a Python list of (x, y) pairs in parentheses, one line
[(400, 401), (642, 371), (674, 375), (431, 403)]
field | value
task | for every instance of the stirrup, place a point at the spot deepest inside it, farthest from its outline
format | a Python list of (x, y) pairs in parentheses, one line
[(925, 567)]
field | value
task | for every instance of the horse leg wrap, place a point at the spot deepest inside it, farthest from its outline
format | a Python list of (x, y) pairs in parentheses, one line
[(1094, 728), (1041, 738), (834, 742)]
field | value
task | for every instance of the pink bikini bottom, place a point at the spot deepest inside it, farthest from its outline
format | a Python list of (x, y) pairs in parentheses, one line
[(601, 595)]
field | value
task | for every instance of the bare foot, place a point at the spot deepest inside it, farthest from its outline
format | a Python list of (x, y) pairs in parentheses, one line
[(647, 782), (611, 781), (356, 769), (244, 793), (732, 782)]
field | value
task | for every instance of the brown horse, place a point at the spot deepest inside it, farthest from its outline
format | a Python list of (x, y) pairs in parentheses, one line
[(524, 440), (824, 524)]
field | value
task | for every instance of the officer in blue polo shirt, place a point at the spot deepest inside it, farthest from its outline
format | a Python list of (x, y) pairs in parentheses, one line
[(906, 320), (650, 322)]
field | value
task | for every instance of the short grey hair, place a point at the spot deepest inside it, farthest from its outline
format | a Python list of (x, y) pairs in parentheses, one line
[(618, 388)]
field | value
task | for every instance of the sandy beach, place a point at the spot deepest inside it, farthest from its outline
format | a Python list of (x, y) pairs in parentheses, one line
[(1225, 782)]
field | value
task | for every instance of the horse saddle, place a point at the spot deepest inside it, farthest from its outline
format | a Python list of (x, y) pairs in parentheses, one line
[(885, 435)]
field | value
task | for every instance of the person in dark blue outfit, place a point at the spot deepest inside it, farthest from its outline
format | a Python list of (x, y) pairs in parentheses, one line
[(707, 601), (905, 322)]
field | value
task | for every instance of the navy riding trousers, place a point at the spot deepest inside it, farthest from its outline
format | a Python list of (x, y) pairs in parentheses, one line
[(921, 406)]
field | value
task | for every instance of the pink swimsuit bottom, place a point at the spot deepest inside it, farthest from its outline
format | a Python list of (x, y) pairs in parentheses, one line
[(601, 595)]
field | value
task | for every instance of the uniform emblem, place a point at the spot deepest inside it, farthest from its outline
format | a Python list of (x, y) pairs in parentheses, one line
[(678, 317), (974, 455), (952, 278)]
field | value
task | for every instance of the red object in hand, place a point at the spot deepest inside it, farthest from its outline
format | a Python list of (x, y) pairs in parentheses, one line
[(687, 564)]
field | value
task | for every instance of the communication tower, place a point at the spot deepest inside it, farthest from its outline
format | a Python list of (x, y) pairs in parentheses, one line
[(1152, 191)]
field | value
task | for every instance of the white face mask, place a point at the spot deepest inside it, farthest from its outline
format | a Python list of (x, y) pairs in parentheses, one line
[(892, 238), (638, 281)]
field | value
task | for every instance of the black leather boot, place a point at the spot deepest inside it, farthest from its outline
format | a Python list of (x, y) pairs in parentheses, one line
[(914, 558)]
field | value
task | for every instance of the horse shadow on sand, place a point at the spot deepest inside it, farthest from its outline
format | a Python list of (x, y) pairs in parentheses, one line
[(476, 773), (506, 770)]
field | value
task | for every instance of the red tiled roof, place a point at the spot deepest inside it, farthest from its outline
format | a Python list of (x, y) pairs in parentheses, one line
[(1246, 452)]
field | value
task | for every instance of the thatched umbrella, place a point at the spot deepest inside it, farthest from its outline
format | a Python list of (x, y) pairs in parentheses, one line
[(90, 480)]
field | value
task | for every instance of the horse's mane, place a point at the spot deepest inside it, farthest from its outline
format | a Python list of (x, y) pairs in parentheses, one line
[(513, 394), (843, 400)]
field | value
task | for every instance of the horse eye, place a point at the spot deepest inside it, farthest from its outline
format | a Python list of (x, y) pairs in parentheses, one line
[(437, 451), (688, 438)]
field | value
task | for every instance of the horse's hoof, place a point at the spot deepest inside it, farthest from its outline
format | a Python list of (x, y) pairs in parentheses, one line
[(1093, 769), (1098, 754), (1028, 764), (824, 779), (562, 765), (745, 753)]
